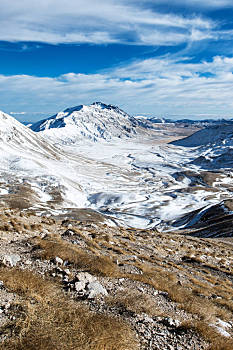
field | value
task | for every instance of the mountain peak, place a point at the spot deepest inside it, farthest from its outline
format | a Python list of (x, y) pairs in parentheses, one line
[(97, 121), (109, 106), (98, 104)]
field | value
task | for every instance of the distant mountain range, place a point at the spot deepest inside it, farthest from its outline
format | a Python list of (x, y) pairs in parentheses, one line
[(101, 121), (202, 122)]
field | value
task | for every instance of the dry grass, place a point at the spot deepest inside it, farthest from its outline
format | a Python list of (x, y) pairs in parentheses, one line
[(159, 269), (204, 310), (17, 224), (96, 264), (27, 284), (56, 323), (134, 302), (218, 342), (68, 326)]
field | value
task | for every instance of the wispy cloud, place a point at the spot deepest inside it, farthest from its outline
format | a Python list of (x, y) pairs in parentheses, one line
[(94, 21), (161, 86)]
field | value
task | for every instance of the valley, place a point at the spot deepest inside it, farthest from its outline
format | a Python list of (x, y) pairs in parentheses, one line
[(134, 174)]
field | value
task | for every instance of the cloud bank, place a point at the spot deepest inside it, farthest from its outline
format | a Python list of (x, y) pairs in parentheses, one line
[(161, 85), (156, 86)]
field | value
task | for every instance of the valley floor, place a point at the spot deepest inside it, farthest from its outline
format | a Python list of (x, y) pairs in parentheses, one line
[(141, 183)]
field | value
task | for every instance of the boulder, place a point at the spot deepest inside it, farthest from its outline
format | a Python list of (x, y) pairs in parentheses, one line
[(94, 289), (11, 259)]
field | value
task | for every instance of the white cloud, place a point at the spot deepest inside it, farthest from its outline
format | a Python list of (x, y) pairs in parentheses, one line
[(196, 3), (155, 86), (94, 21)]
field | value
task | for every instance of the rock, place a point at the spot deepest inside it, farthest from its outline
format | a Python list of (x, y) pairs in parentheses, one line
[(11, 260), (79, 286), (28, 262), (164, 294), (148, 319), (85, 277), (1, 284), (87, 286), (68, 232), (65, 279), (170, 347), (94, 289), (176, 323), (43, 234), (170, 322), (59, 270), (65, 222), (58, 260)]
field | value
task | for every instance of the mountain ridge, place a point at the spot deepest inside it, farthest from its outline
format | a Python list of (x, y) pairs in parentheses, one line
[(209, 135)]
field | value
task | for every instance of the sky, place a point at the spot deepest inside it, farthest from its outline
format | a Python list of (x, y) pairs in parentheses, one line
[(170, 58)]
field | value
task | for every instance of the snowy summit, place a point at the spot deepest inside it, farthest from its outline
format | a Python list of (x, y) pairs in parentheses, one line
[(97, 121)]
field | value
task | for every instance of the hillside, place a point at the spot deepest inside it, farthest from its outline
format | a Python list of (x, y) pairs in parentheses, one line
[(16, 138), (71, 284), (210, 135)]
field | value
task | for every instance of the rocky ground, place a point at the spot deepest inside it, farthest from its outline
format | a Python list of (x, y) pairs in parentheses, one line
[(76, 283)]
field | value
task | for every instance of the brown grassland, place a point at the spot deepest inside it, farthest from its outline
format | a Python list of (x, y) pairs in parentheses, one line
[(195, 273)]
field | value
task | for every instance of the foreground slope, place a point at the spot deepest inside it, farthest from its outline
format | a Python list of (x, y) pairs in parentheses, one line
[(67, 284)]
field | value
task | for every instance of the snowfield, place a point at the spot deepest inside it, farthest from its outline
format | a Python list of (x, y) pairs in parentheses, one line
[(105, 160)]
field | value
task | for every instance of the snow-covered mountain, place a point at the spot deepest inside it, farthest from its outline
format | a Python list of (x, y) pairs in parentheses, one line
[(33, 172), (214, 145), (97, 121), (16, 138), (153, 119), (211, 134)]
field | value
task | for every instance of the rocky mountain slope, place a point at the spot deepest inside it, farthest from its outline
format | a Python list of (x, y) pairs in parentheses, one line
[(79, 284), (215, 147)]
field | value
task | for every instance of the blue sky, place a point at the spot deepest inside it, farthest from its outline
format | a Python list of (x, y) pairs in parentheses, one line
[(159, 58)]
